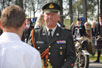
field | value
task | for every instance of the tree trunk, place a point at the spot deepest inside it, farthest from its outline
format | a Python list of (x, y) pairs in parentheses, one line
[(98, 10), (100, 6), (70, 11), (85, 9), (3, 4), (61, 12), (20, 3)]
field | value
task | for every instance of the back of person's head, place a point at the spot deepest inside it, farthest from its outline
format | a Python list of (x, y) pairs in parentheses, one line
[(12, 16)]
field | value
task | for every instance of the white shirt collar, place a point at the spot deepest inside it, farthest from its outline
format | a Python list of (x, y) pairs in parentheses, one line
[(53, 30), (10, 36)]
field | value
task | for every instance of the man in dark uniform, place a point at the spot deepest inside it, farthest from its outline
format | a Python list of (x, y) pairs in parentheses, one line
[(99, 39), (54, 43)]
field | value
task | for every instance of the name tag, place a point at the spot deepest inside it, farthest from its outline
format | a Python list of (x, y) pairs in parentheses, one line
[(61, 41), (40, 42)]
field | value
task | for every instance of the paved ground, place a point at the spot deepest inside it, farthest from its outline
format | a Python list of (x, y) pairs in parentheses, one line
[(95, 65)]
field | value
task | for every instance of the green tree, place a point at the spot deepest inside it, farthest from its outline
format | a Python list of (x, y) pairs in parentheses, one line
[(100, 6), (91, 10), (70, 11)]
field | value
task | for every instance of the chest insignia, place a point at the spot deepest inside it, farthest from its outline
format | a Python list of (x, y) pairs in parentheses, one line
[(61, 42)]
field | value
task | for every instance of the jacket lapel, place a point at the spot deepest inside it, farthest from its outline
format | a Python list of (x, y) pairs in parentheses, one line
[(44, 34), (56, 35)]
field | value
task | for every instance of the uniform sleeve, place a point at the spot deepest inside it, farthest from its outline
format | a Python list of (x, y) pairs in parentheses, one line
[(70, 55)]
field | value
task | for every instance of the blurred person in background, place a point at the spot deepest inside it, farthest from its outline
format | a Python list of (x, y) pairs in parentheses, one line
[(27, 30), (79, 29), (89, 36), (94, 34), (40, 22), (99, 38)]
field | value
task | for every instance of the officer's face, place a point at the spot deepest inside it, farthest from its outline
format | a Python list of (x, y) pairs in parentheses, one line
[(51, 19)]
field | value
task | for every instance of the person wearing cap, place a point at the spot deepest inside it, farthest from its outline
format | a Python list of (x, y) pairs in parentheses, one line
[(54, 43), (79, 29), (13, 52), (27, 30)]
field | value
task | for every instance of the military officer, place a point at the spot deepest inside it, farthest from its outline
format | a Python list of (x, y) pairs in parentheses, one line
[(54, 43)]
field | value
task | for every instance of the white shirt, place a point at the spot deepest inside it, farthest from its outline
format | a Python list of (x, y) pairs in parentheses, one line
[(16, 54), (52, 32)]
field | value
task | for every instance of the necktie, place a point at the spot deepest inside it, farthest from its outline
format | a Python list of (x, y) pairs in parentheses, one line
[(50, 34)]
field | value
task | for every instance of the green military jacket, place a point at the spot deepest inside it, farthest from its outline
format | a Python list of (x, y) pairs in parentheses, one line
[(61, 46)]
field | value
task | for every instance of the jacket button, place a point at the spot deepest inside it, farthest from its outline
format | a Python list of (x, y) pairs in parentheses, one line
[(49, 53), (48, 59), (38, 47), (49, 46)]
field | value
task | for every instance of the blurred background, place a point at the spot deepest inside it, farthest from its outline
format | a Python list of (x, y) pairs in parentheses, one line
[(71, 9)]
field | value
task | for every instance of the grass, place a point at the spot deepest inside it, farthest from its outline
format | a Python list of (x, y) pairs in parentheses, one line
[(95, 57), (67, 23)]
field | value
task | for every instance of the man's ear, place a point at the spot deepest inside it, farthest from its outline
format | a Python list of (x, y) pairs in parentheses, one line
[(24, 23), (1, 27)]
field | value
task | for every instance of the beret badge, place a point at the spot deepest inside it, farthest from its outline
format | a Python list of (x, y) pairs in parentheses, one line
[(51, 6)]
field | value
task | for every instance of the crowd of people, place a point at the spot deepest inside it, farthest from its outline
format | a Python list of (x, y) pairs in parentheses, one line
[(23, 45), (92, 31)]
